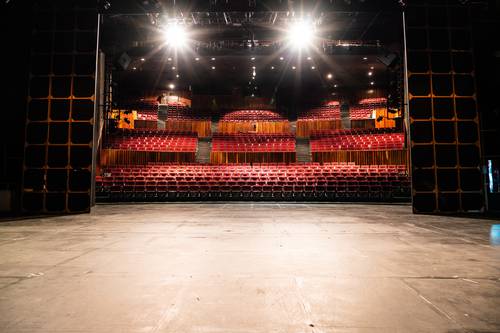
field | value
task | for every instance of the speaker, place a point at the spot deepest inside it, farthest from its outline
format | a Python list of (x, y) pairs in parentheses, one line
[(388, 59), (124, 60)]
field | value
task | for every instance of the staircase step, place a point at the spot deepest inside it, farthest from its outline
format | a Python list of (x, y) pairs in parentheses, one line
[(303, 150), (203, 151)]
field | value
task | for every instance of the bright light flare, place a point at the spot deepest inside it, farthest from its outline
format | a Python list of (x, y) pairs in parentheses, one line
[(300, 34), (175, 36)]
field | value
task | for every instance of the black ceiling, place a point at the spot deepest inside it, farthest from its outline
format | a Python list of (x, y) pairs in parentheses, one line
[(371, 31), (151, 6)]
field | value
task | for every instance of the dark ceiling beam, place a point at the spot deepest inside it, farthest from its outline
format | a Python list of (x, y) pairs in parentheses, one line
[(157, 6), (372, 21)]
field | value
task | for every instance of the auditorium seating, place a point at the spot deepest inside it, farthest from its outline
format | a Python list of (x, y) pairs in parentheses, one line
[(143, 146), (320, 118), (356, 139), (362, 146), (362, 112), (280, 142), (308, 181), (181, 117), (147, 113), (376, 101), (152, 140), (327, 112), (253, 121), (253, 156), (147, 109), (245, 148), (252, 115), (181, 112)]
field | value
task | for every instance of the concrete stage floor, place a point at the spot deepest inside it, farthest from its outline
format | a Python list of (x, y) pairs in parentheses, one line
[(249, 268)]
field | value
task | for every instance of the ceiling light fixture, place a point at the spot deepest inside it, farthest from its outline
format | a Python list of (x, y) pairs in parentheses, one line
[(301, 34), (175, 36)]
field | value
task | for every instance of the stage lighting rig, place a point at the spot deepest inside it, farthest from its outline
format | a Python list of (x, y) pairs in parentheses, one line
[(175, 35), (301, 34)]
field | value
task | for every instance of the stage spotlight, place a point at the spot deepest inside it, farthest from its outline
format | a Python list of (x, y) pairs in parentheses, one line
[(175, 36), (300, 34), (171, 86), (329, 76)]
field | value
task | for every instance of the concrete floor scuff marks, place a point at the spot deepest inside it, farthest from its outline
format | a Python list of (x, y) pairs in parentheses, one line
[(249, 268)]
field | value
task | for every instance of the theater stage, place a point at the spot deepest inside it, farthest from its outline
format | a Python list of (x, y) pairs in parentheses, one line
[(261, 267)]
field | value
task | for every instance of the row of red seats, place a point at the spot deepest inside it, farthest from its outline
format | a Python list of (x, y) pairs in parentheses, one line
[(350, 141), (244, 170), (256, 182), (331, 111), (353, 131), (147, 115), (326, 112), (153, 140), (244, 142), (381, 101), (147, 109), (362, 112), (252, 115), (182, 112)]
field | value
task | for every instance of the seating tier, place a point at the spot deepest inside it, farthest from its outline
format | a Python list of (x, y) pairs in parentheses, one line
[(329, 181), (153, 140)]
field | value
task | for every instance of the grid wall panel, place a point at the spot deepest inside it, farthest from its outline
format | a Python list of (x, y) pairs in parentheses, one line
[(444, 128), (60, 108)]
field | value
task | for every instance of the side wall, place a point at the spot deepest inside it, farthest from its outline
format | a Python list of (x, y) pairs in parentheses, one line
[(60, 108), (444, 117)]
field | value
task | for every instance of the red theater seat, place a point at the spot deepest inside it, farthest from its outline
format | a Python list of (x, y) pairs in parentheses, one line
[(152, 140), (356, 139), (244, 142), (309, 181)]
